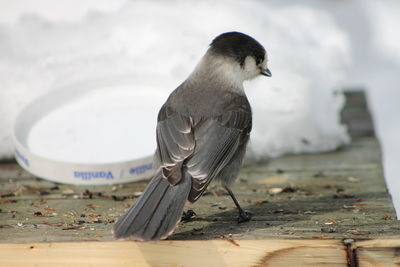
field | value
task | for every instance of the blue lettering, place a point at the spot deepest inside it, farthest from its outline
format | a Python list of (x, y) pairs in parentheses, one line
[(93, 175), (141, 169), (22, 157)]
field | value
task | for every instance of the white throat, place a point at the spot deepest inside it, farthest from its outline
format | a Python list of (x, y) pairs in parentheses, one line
[(220, 69)]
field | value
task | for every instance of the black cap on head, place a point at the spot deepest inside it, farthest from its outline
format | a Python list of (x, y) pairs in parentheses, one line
[(238, 46)]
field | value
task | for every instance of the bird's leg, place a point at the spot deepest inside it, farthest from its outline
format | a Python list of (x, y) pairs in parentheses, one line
[(188, 215), (243, 215)]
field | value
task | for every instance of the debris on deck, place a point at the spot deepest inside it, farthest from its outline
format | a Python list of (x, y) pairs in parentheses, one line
[(333, 196)]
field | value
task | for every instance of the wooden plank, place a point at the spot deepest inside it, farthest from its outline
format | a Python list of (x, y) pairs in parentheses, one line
[(356, 115), (177, 253), (303, 207), (334, 195), (334, 206), (380, 252)]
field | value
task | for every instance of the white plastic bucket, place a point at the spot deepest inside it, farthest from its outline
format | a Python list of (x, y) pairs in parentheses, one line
[(87, 172)]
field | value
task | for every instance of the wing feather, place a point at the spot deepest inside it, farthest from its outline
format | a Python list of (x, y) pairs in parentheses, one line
[(175, 143), (202, 148), (215, 146)]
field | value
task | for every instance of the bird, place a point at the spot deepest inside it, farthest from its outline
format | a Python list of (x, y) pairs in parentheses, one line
[(202, 132)]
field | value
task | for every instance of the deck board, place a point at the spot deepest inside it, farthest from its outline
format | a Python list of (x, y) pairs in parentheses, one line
[(335, 195)]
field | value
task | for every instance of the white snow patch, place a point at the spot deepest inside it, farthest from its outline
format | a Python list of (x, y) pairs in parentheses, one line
[(297, 110)]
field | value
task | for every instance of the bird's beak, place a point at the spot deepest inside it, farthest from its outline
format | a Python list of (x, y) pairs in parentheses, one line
[(266, 72)]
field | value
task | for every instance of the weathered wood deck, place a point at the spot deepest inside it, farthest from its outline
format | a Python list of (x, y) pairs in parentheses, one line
[(303, 207)]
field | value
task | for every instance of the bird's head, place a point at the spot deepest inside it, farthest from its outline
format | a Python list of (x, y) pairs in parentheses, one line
[(240, 54)]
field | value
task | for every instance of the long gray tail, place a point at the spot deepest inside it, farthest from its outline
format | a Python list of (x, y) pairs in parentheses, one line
[(157, 212)]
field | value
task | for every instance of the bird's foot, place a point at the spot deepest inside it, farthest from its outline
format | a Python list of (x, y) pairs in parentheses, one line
[(244, 216), (188, 215)]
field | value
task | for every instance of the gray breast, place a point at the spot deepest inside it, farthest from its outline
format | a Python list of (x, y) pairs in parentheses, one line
[(206, 100)]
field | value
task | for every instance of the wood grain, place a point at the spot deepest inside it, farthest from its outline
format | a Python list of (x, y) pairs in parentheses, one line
[(212, 253)]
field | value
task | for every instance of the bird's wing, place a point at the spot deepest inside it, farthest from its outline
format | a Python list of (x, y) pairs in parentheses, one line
[(201, 146), (217, 140), (175, 143)]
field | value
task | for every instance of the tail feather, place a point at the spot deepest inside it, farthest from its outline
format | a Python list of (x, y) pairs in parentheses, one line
[(157, 212)]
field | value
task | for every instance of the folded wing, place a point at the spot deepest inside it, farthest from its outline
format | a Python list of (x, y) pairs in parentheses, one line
[(200, 146)]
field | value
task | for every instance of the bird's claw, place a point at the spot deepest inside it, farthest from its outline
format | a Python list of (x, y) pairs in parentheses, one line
[(188, 215), (244, 217)]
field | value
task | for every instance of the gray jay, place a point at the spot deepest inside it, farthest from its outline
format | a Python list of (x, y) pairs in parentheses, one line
[(202, 132)]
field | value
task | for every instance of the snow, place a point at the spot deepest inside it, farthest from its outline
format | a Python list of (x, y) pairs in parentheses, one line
[(372, 29), (381, 77), (291, 115), (69, 11)]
